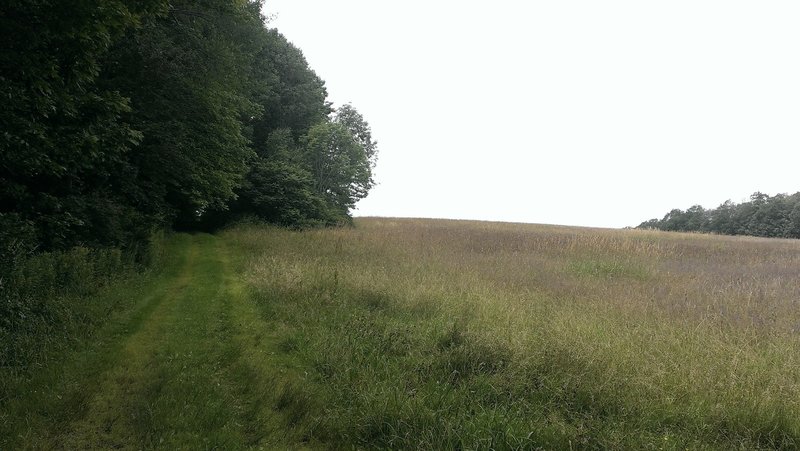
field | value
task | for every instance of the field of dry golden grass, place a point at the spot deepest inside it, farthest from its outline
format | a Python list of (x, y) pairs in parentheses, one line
[(458, 334)]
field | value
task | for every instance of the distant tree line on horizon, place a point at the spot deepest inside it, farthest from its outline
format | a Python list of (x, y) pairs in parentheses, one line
[(123, 117), (764, 216)]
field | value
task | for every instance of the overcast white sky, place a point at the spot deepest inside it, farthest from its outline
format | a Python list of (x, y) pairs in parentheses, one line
[(594, 113)]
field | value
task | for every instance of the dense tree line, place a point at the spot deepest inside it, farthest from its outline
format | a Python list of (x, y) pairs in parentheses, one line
[(776, 216), (121, 117)]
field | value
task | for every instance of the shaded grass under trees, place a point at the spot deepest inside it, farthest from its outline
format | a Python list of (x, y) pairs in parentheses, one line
[(47, 300)]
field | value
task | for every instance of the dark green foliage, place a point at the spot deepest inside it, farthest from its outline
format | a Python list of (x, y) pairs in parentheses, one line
[(310, 168), (42, 297), (186, 75), (64, 143), (279, 192), (290, 94), (278, 187), (123, 117), (765, 216), (315, 180)]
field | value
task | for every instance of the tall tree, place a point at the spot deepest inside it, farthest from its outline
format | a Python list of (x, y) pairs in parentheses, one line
[(291, 98), (278, 188), (348, 116), (187, 75), (123, 116), (290, 94), (341, 159)]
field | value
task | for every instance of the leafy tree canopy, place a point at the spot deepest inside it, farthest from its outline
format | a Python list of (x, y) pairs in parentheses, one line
[(123, 116)]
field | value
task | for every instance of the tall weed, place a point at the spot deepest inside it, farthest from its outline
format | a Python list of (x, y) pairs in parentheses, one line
[(43, 296)]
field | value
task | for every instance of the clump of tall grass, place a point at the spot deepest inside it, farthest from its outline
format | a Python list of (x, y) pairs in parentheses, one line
[(43, 297)]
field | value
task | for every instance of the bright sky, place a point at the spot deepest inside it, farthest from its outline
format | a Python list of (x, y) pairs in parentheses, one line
[(593, 113)]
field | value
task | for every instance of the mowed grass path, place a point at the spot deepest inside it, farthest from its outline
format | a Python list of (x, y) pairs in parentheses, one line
[(178, 371)]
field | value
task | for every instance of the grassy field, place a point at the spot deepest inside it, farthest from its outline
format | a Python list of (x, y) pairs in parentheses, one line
[(447, 334), (435, 334)]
